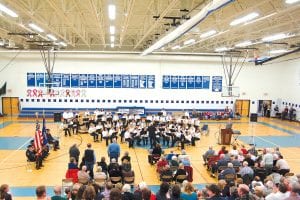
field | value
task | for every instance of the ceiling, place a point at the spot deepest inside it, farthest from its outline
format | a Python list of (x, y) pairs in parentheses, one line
[(84, 25)]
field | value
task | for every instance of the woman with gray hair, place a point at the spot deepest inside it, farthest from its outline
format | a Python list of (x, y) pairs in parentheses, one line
[(126, 193)]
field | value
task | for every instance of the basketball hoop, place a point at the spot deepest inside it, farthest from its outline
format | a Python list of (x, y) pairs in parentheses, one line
[(233, 62), (48, 57)]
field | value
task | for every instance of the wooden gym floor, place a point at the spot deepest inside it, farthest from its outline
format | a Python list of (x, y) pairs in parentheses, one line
[(15, 135)]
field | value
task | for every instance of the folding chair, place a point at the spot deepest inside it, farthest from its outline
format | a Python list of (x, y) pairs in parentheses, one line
[(128, 180), (180, 178), (100, 181), (83, 181), (67, 183), (166, 178), (115, 180)]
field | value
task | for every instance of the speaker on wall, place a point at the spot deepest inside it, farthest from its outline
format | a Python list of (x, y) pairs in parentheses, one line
[(253, 117), (57, 117)]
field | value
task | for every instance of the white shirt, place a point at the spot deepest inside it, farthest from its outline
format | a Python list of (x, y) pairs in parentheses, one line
[(136, 117), (65, 115), (278, 196), (127, 135), (105, 133), (149, 117), (92, 130), (115, 117), (282, 164)]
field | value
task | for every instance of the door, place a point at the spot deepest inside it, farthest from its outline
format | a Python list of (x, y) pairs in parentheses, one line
[(10, 105), (242, 107)]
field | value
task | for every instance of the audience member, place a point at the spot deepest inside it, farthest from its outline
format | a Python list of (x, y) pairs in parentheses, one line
[(74, 152), (4, 192), (103, 165), (90, 159), (57, 193), (207, 154), (163, 193), (115, 194), (41, 194), (99, 173), (127, 195), (72, 164), (188, 192), (83, 174), (113, 150)]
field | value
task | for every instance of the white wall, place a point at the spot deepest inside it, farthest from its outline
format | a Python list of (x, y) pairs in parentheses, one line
[(256, 82)]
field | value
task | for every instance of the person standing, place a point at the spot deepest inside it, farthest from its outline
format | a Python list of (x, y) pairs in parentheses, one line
[(151, 131), (113, 150), (90, 159), (74, 152)]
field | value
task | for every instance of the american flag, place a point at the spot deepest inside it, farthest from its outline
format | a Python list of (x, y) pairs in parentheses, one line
[(38, 138), (45, 141)]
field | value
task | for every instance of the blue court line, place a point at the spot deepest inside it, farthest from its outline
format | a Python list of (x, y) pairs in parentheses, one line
[(4, 124), (30, 190), (279, 128), (13, 143)]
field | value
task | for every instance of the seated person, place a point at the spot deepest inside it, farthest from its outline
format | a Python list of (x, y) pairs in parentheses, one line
[(235, 161), (73, 164), (244, 150), (228, 170), (221, 162), (103, 165), (169, 156), (234, 151), (180, 171), (222, 150), (155, 154), (246, 170), (161, 164), (207, 154), (174, 161), (166, 172), (99, 174), (125, 157), (51, 140), (83, 174), (129, 173), (113, 165), (186, 161), (32, 156), (183, 155), (93, 132), (115, 172), (282, 166)]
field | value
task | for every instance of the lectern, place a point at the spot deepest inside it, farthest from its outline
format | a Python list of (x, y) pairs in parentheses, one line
[(226, 136)]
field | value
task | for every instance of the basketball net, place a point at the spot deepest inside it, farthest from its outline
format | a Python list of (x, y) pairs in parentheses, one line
[(48, 57)]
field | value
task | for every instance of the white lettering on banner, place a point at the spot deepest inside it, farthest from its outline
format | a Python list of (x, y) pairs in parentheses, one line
[(46, 93)]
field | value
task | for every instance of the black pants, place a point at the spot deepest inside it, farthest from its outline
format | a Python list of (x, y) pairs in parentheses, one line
[(67, 131)]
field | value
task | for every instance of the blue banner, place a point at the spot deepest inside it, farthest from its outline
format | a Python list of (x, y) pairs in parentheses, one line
[(182, 82), (40, 80), (30, 79), (190, 82), (166, 84), (174, 82), (142, 81), (92, 80), (151, 81), (83, 80), (100, 81), (66, 80), (134, 81), (117, 81), (109, 80), (75, 80), (125, 81), (205, 82), (216, 84), (56, 80), (198, 82)]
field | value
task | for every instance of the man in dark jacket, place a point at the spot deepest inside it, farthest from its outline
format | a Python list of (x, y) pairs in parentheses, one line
[(90, 159), (74, 152)]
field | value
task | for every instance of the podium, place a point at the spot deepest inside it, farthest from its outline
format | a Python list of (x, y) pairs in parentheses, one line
[(226, 136)]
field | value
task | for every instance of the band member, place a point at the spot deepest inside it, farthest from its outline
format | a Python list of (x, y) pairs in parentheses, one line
[(127, 137), (99, 129), (144, 136), (105, 135), (92, 131), (151, 130), (115, 119), (149, 119)]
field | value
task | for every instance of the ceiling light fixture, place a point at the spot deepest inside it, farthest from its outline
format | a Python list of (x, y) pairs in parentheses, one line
[(291, 1), (112, 30), (112, 12), (188, 25), (244, 44), (277, 51), (244, 19), (8, 11), (112, 38), (190, 41), (221, 49), (35, 27), (278, 36), (112, 45), (52, 37), (176, 47), (208, 33), (63, 44)]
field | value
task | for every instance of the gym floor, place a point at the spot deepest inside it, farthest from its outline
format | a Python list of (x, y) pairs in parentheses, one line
[(15, 135)]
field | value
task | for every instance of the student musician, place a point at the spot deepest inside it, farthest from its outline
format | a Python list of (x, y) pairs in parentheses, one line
[(86, 118), (105, 135), (127, 137), (93, 132), (115, 119)]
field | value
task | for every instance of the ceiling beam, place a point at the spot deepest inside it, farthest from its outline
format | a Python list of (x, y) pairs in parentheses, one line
[(66, 19), (35, 19), (157, 22), (99, 18), (129, 11)]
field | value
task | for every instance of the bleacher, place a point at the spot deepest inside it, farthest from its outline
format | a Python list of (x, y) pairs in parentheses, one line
[(30, 112)]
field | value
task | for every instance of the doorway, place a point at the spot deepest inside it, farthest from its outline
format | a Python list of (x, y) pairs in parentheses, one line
[(10, 105), (264, 107), (242, 107)]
